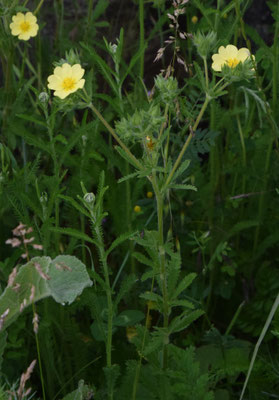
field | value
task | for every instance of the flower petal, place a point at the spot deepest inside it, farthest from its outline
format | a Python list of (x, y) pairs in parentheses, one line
[(243, 54), (80, 84), (18, 18), (231, 51), (67, 70), (216, 66), (15, 29), (33, 30), (29, 17), (61, 93), (77, 72), (54, 82), (24, 36)]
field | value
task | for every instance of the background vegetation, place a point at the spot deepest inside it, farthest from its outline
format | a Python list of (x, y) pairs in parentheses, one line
[(159, 266)]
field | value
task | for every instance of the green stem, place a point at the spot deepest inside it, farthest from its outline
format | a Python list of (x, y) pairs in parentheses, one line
[(136, 380), (38, 7), (162, 258), (239, 308), (263, 191), (205, 71), (89, 12), (39, 358), (274, 67), (141, 43), (108, 294), (186, 144), (55, 170), (243, 152), (262, 335), (116, 137)]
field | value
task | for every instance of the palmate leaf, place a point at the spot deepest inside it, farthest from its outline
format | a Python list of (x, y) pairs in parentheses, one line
[(63, 278)]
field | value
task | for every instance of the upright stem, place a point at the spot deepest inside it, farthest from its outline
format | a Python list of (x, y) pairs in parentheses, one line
[(243, 152), (141, 43), (89, 12), (39, 358), (38, 7), (160, 204), (114, 134), (109, 297), (186, 144)]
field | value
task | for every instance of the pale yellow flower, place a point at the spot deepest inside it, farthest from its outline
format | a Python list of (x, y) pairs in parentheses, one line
[(24, 25), (66, 80), (229, 55)]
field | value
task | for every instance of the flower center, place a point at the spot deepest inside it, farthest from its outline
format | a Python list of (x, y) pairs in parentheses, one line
[(68, 84), (232, 62), (25, 26)]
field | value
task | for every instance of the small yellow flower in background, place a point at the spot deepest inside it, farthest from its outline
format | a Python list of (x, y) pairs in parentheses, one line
[(194, 19), (137, 209), (66, 80), (131, 332), (229, 55), (149, 195), (24, 25)]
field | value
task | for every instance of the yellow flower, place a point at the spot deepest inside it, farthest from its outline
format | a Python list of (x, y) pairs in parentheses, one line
[(131, 332), (137, 209), (66, 80), (24, 25), (194, 19), (149, 195), (229, 55)]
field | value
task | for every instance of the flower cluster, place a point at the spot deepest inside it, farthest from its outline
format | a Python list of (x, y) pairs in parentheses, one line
[(20, 232)]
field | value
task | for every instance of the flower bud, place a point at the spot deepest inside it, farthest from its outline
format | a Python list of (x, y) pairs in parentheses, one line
[(89, 198), (204, 43), (43, 97)]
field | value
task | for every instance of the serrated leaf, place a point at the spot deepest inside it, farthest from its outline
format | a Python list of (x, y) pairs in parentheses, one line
[(183, 321), (182, 303), (143, 259), (75, 204), (181, 169), (186, 281), (74, 233), (60, 138), (31, 119), (128, 318), (182, 187), (122, 238), (125, 178)]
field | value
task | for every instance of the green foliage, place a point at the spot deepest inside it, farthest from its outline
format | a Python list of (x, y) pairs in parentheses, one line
[(151, 193)]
